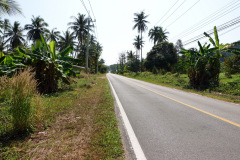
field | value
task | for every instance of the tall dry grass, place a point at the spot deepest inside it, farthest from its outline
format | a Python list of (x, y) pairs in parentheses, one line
[(20, 93)]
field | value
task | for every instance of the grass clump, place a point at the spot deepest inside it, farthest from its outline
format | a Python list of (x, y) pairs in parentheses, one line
[(20, 102)]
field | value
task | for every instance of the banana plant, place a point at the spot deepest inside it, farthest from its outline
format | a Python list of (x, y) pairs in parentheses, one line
[(10, 64), (49, 64), (203, 66), (219, 48)]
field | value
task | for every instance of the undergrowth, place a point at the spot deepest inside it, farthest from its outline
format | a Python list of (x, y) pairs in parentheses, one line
[(228, 89)]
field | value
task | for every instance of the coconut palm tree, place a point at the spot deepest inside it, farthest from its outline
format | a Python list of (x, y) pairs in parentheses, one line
[(5, 26), (66, 40), (37, 28), (53, 35), (157, 34), (140, 23), (9, 7), (80, 28), (15, 35), (138, 43)]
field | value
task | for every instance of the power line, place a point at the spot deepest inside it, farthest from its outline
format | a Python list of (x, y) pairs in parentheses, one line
[(220, 28), (230, 30), (174, 11), (216, 12), (192, 28), (96, 32), (211, 32), (167, 12), (91, 9), (183, 14), (85, 7), (233, 21), (212, 20)]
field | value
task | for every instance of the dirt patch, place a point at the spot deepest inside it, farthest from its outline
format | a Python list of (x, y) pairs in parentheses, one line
[(68, 137)]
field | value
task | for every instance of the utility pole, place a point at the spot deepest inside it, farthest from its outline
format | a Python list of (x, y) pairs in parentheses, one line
[(87, 45)]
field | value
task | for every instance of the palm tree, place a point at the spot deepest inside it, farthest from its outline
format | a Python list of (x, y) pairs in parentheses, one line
[(15, 35), (80, 28), (140, 24), (130, 56), (138, 43), (157, 34), (66, 40), (37, 28), (53, 35), (92, 40), (99, 49), (9, 7), (5, 26)]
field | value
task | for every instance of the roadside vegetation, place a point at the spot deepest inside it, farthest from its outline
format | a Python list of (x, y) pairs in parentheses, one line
[(49, 107), (78, 122), (228, 89), (213, 69)]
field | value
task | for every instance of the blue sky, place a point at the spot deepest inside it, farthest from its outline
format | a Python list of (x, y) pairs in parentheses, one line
[(114, 19)]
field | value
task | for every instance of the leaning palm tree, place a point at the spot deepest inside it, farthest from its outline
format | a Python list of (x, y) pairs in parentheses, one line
[(66, 40), (15, 35), (37, 28), (157, 34), (53, 35), (9, 7), (80, 28), (140, 24)]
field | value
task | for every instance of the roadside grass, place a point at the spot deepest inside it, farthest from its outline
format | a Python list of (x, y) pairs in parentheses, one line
[(78, 122), (228, 89)]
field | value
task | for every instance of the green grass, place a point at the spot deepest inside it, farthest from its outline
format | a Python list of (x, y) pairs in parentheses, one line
[(228, 89), (107, 142)]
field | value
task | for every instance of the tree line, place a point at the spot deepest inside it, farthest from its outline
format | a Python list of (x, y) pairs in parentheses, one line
[(202, 65), (52, 55)]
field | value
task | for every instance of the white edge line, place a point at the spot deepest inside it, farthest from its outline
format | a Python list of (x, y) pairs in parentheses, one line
[(134, 141)]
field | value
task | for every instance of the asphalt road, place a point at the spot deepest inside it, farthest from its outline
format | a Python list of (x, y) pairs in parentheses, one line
[(176, 125)]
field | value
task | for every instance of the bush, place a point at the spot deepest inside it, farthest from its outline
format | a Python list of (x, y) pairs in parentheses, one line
[(23, 99)]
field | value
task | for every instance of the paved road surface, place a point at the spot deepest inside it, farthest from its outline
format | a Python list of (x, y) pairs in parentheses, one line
[(175, 125)]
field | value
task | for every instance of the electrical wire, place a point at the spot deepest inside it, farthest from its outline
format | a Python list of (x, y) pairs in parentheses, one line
[(167, 12), (219, 30), (174, 11), (85, 7), (91, 9), (191, 29), (230, 30), (233, 21), (212, 20), (95, 31), (183, 14), (216, 12)]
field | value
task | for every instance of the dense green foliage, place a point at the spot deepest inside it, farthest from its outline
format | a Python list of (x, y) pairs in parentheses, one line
[(162, 56), (50, 62)]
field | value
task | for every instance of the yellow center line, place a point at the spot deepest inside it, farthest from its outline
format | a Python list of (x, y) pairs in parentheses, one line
[(200, 110)]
